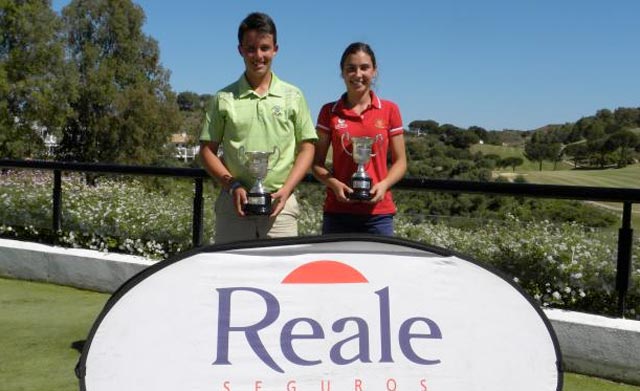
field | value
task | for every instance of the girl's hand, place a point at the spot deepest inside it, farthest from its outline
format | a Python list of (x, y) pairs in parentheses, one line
[(378, 191), (341, 191)]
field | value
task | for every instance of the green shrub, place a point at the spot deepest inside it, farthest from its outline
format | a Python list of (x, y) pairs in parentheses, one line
[(115, 214), (561, 265)]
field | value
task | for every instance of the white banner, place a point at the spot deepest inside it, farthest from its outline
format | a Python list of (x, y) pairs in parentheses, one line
[(321, 314)]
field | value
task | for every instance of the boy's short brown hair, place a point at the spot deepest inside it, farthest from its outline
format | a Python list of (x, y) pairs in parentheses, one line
[(260, 22)]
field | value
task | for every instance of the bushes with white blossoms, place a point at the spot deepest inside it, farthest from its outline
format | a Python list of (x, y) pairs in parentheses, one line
[(119, 215), (560, 265)]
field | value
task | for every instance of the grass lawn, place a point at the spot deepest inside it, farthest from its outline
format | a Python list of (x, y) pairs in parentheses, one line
[(574, 382), (504, 151), (564, 174), (627, 177), (39, 322)]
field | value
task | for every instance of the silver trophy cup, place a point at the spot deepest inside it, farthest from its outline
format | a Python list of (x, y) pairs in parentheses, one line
[(257, 163), (360, 180)]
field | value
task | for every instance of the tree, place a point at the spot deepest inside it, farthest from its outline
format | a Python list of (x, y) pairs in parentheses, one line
[(448, 130), (481, 132), (493, 137), (535, 152), (627, 117), (204, 99), (538, 149), (495, 160), (188, 101), (592, 127), (578, 152), (463, 139), (605, 115), (33, 83), (600, 148), (625, 141), (125, 109), (417, 149), (511, 161), (555, 154), (422, 126), (192, 124), (564, 134)]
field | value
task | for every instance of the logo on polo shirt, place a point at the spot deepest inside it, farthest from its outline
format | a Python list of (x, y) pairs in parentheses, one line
[(380, 124), (276, 110), (342, 124)]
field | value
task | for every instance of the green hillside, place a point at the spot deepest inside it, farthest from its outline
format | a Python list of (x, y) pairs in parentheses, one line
[(507, 151), (502, 151), (628, 177)]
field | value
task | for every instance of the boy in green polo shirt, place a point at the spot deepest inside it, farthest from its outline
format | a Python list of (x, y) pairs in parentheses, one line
[(259, 112)]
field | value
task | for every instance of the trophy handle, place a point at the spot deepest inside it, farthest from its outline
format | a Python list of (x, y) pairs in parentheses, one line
[(348, 137), (378, 140)]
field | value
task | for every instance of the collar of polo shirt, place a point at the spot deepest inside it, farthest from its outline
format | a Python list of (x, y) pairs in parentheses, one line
[(275, 87), (339, 106)]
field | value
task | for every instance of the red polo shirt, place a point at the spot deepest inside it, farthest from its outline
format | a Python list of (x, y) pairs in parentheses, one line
[(382, 118)]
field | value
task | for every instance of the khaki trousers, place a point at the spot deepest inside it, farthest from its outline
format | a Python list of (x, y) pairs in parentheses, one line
[(232, 228)]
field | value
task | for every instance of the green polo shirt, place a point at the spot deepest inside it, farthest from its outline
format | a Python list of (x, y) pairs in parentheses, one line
[(237, 117)]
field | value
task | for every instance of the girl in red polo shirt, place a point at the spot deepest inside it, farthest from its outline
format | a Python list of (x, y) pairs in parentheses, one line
[(358, 113)]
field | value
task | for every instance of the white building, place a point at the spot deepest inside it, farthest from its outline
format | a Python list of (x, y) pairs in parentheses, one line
[(184, 149)]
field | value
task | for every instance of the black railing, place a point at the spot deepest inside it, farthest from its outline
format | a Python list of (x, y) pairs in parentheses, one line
[(627, 197), (197, 174)]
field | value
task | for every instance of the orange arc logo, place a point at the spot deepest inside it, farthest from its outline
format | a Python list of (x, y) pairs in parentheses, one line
[(324, 272)]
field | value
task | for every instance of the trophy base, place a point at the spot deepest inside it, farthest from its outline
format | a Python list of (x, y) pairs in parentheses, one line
[(360, 195), (259, 204), (361, 185)]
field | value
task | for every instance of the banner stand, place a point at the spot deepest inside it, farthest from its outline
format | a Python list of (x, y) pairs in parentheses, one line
[(333, 312)]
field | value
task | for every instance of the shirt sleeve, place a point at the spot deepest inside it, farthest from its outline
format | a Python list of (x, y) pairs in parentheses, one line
[(304, 129), (395, 121), (213, 125), (324, 119)]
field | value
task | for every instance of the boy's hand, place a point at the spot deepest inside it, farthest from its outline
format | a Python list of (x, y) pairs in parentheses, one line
[(239, 198), (278, 200)]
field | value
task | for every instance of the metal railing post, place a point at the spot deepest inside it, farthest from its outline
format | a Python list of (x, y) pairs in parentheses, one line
[(198, 212), (57, 201), (625, 246)]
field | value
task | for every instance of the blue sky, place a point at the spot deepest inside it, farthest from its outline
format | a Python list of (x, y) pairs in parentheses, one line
[(499, 64)]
